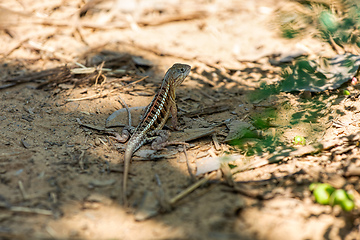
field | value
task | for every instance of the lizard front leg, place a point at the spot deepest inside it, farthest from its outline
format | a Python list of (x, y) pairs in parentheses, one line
[(174, 119)]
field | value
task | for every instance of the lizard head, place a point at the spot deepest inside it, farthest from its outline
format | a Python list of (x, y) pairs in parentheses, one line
[(177, 73)]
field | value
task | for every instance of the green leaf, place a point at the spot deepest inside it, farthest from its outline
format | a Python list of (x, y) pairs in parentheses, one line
[(305, 65), (320, 75), (322, 192), (347, 205), (338, 196), (328, 21)]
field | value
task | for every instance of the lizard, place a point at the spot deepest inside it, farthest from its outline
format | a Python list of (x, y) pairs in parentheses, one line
[(155, 117)]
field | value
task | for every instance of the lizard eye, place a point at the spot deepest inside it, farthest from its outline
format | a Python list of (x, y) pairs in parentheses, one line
[(182, 70)]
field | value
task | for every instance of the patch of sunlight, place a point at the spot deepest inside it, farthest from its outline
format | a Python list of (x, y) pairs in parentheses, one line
[(101, 221)]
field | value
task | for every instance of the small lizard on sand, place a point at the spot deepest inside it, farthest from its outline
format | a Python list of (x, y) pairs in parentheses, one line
[(155, 117)]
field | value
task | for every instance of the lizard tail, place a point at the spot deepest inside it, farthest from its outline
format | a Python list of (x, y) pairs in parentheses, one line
[(127, 159)]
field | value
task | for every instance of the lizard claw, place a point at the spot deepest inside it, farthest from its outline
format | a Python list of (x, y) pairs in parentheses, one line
[(125, 135), (177, 128)]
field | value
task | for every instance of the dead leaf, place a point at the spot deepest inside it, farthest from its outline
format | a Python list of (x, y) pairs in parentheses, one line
[(206, 165)]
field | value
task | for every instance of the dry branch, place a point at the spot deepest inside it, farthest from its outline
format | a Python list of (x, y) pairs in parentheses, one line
[(58, 75)]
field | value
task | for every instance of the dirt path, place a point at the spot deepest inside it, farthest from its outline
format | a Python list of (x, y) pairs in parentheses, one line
[(62, 180)]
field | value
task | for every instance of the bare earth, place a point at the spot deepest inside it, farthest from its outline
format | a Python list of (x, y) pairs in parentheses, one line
[(63, 180)]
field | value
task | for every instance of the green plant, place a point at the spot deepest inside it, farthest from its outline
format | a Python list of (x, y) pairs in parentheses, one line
[(336, 22), (326, 194)]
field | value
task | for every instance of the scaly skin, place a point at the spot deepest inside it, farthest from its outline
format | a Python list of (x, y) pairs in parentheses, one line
[(156, 115)]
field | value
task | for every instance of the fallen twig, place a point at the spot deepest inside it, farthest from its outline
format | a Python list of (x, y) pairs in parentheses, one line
[(22, 190), (99, 69), (81, 160), (27, 210), (253, 193), (88, 70), (35, 76), (216, 142), (192, 176), (191, 188), (173, 18), (122, 102), (137, 81)]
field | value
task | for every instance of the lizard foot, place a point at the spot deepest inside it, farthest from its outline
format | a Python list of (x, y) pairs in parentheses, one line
[(125, 134)]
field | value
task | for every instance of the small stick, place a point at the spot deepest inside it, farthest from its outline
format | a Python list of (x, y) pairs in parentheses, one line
[(103, 142), (212, 153), (22, 190), (216, 142), (81, 160), (227, 174), (78, 30), (137, 81), (30, 210), (335, 46), (99, 73), (122, 102), (188, 164), (80, 65), (191, 188)]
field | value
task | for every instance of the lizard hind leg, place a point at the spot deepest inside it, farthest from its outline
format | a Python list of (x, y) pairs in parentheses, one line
[(160, 138)]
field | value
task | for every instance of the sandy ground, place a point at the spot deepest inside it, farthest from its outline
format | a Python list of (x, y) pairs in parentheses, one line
[(60, 179)]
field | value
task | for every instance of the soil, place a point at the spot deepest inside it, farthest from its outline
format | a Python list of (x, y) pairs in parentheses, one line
[(61, 172)]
